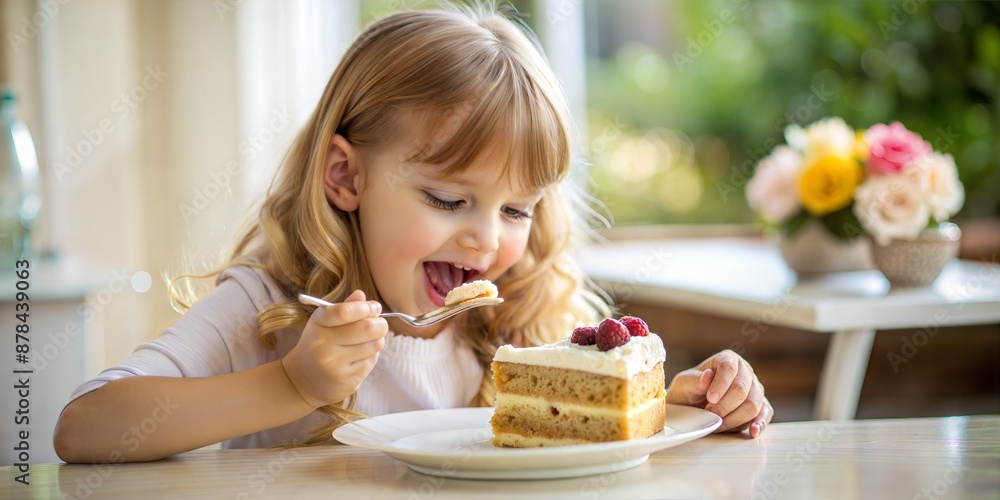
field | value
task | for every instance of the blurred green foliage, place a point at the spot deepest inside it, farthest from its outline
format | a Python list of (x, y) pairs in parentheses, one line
[(726, 76)]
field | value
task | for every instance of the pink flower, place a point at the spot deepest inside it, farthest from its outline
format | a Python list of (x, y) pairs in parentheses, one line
[(893, 148), (771, 191)]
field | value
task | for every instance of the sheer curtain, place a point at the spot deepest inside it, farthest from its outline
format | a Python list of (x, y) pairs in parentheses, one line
[(157, 125)]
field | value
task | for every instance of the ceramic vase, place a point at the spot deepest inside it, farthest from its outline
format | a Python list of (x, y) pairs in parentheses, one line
[(917, 262), (813, 250)]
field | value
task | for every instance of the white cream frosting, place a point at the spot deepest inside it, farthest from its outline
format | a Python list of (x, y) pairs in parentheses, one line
[(638, 355)]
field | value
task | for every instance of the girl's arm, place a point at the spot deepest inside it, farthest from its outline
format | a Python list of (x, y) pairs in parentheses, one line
[(148, 418)]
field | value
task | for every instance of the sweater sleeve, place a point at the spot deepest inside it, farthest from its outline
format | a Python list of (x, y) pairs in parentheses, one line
[(218, 335)]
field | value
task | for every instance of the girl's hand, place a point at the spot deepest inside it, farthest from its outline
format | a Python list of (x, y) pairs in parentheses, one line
[(726, 385), (339, 346)]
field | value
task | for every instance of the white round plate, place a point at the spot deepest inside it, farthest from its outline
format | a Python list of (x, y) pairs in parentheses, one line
[(456, 443)]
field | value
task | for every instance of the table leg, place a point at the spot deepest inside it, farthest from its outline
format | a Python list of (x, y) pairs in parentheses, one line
[(843, 373)]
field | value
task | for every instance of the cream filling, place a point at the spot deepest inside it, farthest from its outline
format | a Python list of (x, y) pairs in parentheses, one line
[(638, 355), (507, 399)]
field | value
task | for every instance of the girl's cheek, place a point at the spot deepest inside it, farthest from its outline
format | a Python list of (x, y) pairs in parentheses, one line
[(512, 250), (431, 227)]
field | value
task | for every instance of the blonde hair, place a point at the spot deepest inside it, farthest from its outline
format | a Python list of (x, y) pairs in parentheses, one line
[(420, 65)]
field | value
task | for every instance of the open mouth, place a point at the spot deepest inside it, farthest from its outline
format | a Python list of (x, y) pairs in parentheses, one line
[(441, 277)]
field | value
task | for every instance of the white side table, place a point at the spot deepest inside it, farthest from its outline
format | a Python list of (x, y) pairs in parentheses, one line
[(747, 279), (64, 351)]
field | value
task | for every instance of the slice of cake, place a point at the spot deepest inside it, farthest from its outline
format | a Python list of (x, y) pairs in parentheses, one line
[(478, 289), (602, 384)]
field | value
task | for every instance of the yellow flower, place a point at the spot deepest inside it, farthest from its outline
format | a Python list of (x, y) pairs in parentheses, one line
[(861, 149), (827, 184)]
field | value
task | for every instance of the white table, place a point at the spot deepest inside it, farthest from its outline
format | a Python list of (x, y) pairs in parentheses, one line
[(746, 279), (954, 457)]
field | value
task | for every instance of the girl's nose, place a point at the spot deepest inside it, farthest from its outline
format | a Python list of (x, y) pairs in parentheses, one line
[(482, 234)]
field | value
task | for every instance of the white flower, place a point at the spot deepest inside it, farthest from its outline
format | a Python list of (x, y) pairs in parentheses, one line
[(831, 136), (771, 191), (942, 190), (892, 206), (795, 136)]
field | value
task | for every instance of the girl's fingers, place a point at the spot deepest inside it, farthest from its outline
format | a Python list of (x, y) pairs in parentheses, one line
[(737, 392), (689, 386), (726, 365), (366, 364), (358, 333), (353, 309), (360, 352), (733, 392), (741, 417), (759, 422)]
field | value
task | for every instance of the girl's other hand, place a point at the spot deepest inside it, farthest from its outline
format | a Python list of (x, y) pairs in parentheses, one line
[(338, 348), (726, 385)]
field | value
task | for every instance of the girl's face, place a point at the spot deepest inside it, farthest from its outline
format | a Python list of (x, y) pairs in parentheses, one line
[(425, 234)]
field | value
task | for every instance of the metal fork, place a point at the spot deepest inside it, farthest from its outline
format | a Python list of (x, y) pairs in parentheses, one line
[(435, 316)]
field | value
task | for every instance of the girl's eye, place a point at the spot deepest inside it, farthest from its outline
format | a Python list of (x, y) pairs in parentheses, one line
[(450, 206), (515, 214)]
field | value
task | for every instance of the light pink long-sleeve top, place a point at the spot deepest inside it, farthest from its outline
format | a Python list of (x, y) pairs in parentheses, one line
[(218, 335)]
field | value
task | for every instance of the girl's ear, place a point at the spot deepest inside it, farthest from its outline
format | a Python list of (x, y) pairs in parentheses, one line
[(340, 180)]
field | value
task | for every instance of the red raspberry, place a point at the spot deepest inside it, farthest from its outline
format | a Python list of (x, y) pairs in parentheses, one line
[(636, 326), (612, 333), (584, 335)]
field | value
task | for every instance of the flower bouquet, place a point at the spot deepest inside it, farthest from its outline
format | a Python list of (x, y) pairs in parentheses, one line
[(885, 182)]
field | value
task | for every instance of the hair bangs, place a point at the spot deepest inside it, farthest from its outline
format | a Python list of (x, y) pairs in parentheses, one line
[(513, 126)]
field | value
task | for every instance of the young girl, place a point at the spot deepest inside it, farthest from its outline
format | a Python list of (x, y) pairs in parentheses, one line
[(435, 156)]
